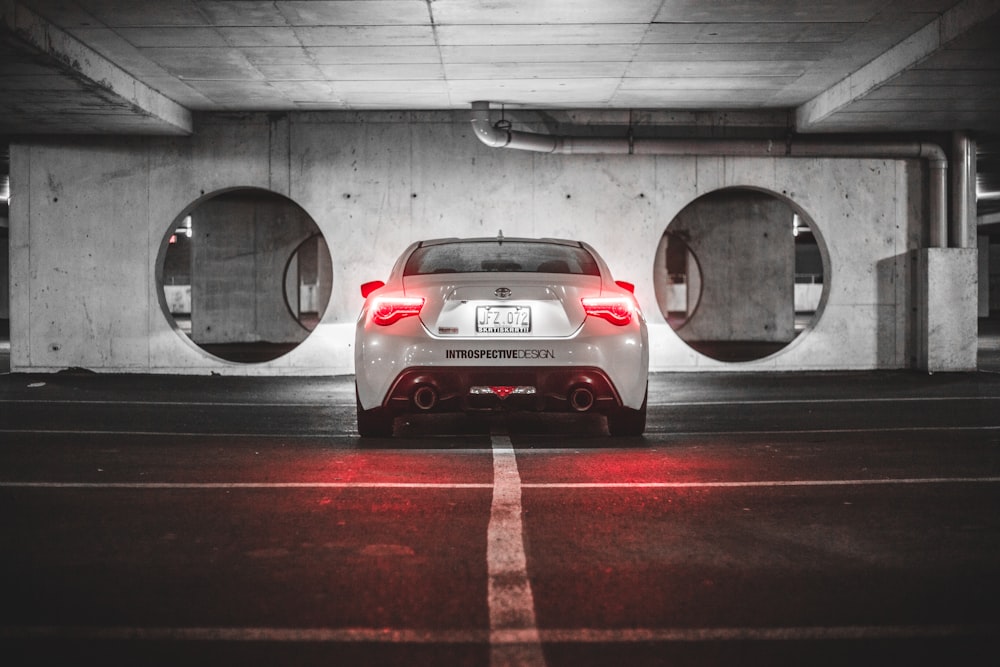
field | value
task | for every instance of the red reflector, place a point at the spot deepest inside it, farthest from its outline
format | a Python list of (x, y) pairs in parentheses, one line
[(369, 287), (503, 391), (614, 309), (627, 286), (387, 310)]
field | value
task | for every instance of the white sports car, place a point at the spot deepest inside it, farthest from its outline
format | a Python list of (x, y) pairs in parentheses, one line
[(500, 324)]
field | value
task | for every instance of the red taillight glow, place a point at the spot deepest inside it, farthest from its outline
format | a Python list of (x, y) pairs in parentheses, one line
[(389, 309), (614, 309)]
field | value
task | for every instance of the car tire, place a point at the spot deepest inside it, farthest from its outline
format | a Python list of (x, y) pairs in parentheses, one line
[(627, 422), (374, 423)]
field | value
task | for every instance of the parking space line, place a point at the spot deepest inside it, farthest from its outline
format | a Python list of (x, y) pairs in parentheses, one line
[(329, 435), (514, 638), (244, 485), (823, 401), (171, 404), (828, 431), (508, 527), (333, 403), (760, 483), (326, 435)]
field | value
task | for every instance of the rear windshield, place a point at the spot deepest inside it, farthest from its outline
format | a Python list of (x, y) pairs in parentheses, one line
[(509, 256)]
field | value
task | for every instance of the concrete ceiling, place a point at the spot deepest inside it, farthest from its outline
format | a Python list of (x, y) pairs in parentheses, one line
[(143, 66)]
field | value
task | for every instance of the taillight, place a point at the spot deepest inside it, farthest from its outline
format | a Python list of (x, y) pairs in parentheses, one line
[(388, 309), (614, 309)]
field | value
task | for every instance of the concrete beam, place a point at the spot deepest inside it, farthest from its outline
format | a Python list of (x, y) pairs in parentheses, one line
[(92, 69), (920, 45)]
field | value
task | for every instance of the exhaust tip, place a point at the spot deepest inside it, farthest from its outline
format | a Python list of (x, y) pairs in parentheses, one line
[(425, 397), (581, 399)]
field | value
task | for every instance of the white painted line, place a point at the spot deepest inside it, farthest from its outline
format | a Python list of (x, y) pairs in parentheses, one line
[(514, 638), (173, 404), (243, 485), (333, 402), (321, 635), (820, 633), (181, 434), (829, 431), (649, 432), (761, 484), (826, 401), (509, 527)]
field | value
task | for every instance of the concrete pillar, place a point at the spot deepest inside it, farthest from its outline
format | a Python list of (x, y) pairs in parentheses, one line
[(984, 276), (746, 252), (946, 296), (324, 275), (4, 272), (994, 277), (242, 242)]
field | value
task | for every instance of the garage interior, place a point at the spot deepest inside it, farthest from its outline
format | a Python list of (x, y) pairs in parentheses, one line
[(805, 193), (791, 186)]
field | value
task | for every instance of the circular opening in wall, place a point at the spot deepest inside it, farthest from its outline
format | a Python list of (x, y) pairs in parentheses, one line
[(740, 273), (308, 281), (233, 270)]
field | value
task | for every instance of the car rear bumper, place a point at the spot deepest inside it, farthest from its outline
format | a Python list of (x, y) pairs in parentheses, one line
[(611, 361), (533, 388)]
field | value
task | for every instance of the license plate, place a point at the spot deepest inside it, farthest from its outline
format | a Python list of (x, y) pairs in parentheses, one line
[(503, 319)]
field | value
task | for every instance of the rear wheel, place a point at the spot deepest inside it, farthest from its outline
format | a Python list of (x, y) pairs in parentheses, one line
[(374, 423), (628, 422)]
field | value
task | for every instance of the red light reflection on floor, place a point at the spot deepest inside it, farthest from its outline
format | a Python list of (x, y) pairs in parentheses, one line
[(660, 465)]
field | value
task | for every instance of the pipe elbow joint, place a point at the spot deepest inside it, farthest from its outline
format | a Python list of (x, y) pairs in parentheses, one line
[(484, 130), (934, 154)]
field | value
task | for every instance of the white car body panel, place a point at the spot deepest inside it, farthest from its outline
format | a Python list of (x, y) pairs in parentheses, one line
[(443, 337)]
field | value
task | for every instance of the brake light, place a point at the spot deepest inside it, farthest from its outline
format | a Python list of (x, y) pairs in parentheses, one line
[(387, 309), (614, 309)]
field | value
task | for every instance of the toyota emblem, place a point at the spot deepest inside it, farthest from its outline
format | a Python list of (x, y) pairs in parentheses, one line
[(502, 292)]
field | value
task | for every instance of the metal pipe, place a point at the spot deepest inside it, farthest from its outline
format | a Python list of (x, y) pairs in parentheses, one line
[(497, 137), (962, 194)]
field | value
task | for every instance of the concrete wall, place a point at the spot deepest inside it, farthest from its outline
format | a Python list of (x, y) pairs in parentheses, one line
[(90, 219)]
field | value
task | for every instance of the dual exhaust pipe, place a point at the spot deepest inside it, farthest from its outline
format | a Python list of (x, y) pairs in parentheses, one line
[(425, 397)]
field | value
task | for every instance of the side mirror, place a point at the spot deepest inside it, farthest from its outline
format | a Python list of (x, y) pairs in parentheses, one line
[(369, 287), (625, 285)]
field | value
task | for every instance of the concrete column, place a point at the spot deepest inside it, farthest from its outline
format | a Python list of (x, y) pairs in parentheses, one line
[(241, 245), (984, 276), (745, 249), (993, 277), (947, 337), (4, 268)]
